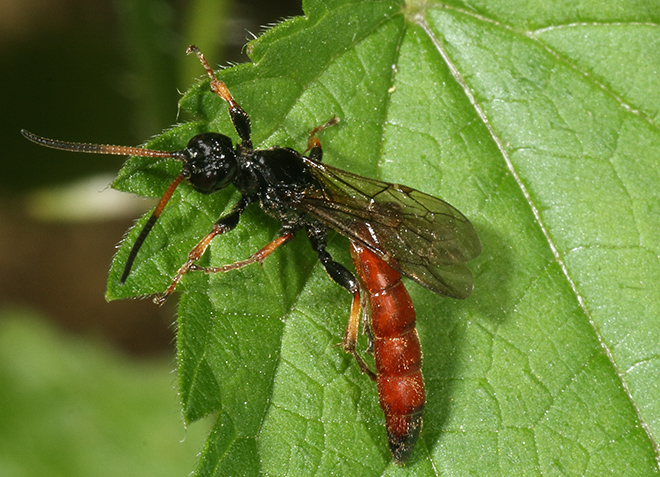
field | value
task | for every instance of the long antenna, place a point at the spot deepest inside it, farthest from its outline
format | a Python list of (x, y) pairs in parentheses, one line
[(148, 226), (120, 151), (99, 148)]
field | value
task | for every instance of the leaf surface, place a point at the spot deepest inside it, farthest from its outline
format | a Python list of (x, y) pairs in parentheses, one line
[(538, 121)]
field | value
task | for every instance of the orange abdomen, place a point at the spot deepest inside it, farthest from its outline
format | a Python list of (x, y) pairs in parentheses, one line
[(397, 351)]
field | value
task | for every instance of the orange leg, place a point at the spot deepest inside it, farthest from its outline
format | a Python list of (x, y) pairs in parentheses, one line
[(257, 257), (199, 249), (217, 86), (239, 117), (349, 343), (313, 141)]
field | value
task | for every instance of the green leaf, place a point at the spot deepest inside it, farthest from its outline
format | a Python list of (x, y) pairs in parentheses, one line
[(537, 120)]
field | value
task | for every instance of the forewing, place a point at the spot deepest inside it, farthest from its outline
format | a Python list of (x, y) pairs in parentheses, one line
[(425, 238)]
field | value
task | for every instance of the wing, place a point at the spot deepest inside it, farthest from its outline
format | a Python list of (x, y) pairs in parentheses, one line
[(421, 236)]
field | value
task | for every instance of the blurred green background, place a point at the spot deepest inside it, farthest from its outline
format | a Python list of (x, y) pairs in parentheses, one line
[(86, 387)]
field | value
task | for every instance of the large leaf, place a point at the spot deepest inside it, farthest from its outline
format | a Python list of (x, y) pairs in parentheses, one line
[(537, 120)]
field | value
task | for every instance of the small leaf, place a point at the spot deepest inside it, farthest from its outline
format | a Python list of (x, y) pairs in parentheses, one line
[(538, 122)]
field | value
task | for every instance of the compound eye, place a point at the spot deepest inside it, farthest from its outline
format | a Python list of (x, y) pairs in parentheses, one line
[(215, 178)]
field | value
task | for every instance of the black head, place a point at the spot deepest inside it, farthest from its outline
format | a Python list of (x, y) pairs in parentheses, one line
[(209, 162)]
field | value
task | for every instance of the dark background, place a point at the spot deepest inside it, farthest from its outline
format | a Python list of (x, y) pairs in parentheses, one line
[(104, 72)]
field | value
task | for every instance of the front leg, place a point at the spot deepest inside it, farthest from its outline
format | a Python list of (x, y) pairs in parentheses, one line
[(239, 117), (224, 224)]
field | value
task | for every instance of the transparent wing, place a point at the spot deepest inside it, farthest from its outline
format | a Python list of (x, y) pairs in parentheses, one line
[(423, 237)]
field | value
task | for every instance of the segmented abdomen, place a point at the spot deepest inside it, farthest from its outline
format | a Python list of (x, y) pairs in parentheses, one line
[(397, 351)]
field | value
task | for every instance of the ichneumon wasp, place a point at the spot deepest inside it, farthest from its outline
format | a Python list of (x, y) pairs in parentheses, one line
[(393, 230)]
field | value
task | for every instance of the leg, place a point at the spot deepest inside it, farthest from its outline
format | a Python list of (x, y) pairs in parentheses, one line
[(257, 257), (313, 143), (224, 224), (349, 343), (339, 273), (239, 118)]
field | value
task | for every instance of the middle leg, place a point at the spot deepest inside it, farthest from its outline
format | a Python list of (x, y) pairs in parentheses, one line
[(313, 142), (258, 257)]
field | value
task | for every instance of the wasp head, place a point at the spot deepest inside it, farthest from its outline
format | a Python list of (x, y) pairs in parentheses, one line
[(209, 162)]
